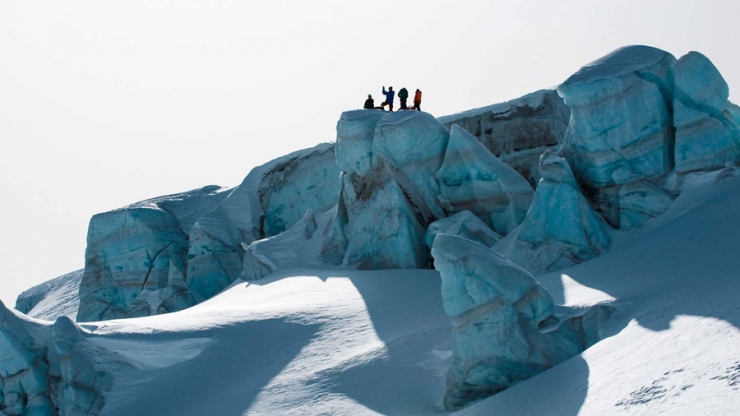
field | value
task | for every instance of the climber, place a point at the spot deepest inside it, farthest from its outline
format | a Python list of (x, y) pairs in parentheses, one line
[(369, 103), (403, 94), (388, 98), (417, 100)]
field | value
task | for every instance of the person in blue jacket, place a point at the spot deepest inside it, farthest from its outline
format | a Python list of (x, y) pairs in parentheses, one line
[(389, 95)]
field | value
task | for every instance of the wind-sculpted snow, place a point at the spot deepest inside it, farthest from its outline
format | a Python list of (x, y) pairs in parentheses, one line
[(518, 131), (620, 128), (463, 224), (387, 201), (707, 133), (52, 299), (472, 178), (503, 322), (295, 247), (561, 228), (48, 370)]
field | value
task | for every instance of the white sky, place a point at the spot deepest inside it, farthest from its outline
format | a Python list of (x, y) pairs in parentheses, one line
[(105, 103)]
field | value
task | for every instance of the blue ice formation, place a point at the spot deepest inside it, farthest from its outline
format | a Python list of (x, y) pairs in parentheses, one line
[(707, 133), (472, 178), (387, 201), (271, 199), (136, 256), (48, 370), (169, 253), (561, 228), (620, 129), (518, 131), (463, 224), (504, 325)]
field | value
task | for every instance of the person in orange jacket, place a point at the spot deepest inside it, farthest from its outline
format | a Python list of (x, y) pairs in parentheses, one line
[(417, 100)]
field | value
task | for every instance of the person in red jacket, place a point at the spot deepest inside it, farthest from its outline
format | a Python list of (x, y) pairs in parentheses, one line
[(417, 100)]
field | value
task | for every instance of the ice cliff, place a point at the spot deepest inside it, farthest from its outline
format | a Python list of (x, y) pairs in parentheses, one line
[(171, 252), (48, 370)]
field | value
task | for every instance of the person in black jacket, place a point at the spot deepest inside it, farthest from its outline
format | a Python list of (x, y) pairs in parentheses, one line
[(369, 103), (403, 95)]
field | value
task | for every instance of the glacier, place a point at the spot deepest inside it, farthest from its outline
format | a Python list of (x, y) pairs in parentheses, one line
[(490, 198)]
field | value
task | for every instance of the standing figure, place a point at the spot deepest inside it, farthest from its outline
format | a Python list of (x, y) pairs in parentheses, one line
[(417, 100), (403, 95), (389, 95), (369, 103)]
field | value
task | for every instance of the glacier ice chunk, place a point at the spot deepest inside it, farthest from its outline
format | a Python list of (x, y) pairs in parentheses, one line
[(561, 228), (519, 130), (503, 322), (707, 133), (463, 224), (620, 129), (387, 203), (472, 178)]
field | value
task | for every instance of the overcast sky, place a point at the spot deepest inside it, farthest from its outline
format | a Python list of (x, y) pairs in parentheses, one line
[(105, 103)]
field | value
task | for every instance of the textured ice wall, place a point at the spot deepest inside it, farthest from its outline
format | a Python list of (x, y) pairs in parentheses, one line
[(518, 131), (389, 194), (271, 198), (620, 128), (503, 322), (463, 224), (561, 228), (707, 134), (136, 256), (472, 178), (48, 370), (169, 253)]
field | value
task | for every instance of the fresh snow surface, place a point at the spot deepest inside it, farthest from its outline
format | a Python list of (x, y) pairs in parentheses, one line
[(341, 342), (52, 299), (620, 62), (533, 100)]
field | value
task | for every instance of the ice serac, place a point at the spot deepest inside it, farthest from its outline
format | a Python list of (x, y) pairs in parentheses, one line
[(388, 193), (504, 325), (52, 299), (707, 133), (561, 228), (48, 370), (463, 224), (518, 131), (620, 128), (136, 256), (472, 178), (271, 199)]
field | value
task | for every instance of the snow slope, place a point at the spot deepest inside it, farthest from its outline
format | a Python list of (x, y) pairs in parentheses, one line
[(52, 299), (378, 342)]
